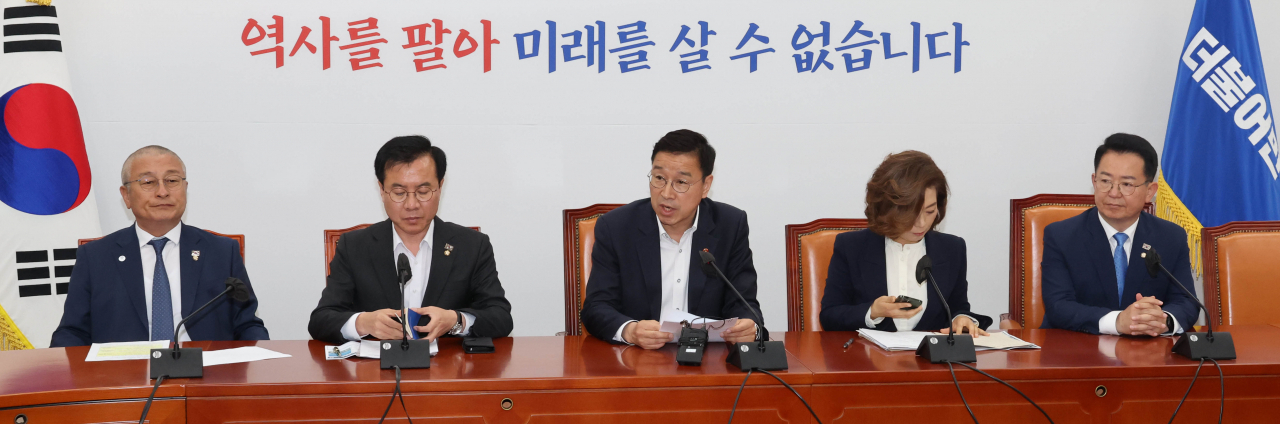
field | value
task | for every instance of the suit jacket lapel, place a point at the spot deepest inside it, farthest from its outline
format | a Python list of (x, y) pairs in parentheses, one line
[(441, 264), (1100, 253), (704, 238), (384, 263), (191, 241), (1136, 277), (130, 272), (649, 254), (874, 275), (941, 269)]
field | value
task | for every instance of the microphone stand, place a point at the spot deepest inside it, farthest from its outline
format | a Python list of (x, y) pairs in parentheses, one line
[(181, 362), (954, 348), (412, 353), (1194, 345), (766, 355)]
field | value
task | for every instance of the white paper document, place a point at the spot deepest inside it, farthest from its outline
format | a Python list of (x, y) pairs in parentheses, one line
[(1001, 341), (365, 349), (910, 340), (240, 354), (121, 351), (671, 323)]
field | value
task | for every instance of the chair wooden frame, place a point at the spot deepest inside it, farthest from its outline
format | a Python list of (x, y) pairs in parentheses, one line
[(1209, 247), (331, 242), (573, 278), (795, 276), (237, 237), (1016, 317)]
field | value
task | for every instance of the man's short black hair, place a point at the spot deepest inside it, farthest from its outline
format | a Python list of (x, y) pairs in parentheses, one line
[(1129, 143), (688, 141), (404, 150)]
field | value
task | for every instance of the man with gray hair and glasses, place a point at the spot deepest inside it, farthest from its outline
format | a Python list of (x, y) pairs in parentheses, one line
[(136, 283)]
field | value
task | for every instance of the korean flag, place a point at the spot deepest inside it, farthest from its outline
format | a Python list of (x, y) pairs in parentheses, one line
[(46, 197)]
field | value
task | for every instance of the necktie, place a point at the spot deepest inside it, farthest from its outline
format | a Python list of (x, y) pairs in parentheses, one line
[(161, 299), (1122, 264)]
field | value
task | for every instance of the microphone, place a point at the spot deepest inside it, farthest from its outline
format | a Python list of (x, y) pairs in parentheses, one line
[(768, 355), (170, 362), (406, 273), (1193, 345), (412, 353), (955, 348)]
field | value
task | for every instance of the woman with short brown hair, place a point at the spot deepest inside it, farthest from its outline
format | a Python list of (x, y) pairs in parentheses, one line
[(872, 269)]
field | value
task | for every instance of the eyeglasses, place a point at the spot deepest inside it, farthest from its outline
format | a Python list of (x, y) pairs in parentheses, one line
[(424, 194), (1126, 188), (150, 183), (658, 182)]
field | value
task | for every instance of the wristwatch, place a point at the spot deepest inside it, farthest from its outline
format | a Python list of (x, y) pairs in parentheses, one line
[(1168, 322), (458, 326)]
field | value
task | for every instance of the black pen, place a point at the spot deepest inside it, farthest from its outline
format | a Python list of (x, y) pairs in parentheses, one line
[(846, 344)]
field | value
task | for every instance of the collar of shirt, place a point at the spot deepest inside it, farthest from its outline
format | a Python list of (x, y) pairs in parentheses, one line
[(900, 265), (662, 231), (144, 237), (425, 246), (414, 289), (173, 270), (1111, 234)]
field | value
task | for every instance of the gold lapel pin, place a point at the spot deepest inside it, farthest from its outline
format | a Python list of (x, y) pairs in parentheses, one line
[(448, 248), (195, 255)]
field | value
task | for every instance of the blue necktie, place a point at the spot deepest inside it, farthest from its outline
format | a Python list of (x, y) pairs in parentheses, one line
[(1122, 263), (161, 299)]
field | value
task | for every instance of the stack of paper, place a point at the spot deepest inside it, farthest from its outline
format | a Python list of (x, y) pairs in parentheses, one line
[(1001, 341), (910, 340), (120, 351), (673, 322)]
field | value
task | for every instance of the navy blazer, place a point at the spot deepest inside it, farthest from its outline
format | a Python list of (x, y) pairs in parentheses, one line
[(857, 277), (106, 303), (1078, 280), (626, 267)]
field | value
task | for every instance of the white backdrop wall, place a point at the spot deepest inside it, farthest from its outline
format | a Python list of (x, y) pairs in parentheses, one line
[(282, 154)]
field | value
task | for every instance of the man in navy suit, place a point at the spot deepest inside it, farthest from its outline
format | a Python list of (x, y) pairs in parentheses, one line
[(645, 262), (1094, 276), (137, 283)]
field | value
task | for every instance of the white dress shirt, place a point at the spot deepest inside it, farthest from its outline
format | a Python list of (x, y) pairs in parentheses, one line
[(416, 288), (172, 267), (900, 272), (675, 271), (1107, 324), (900, 262)]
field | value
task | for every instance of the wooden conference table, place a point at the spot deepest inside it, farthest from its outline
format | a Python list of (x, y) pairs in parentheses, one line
[(582, 379)]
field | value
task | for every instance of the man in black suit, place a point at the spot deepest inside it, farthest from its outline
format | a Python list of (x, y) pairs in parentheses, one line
[(645, 260), (454, 285)]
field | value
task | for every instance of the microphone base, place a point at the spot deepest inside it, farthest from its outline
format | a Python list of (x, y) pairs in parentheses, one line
[(751, 356), (937, 349), (417, 354), (188, 364), (1198, 346)]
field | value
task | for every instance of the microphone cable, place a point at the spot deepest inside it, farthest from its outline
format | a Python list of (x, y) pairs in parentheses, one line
[(147, 408), (1024, 396), (957, 382), (739, 396), (775, 377), (1222, 392), (394, 395)]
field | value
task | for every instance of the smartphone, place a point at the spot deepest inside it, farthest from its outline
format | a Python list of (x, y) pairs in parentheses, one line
[(915, 303)]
